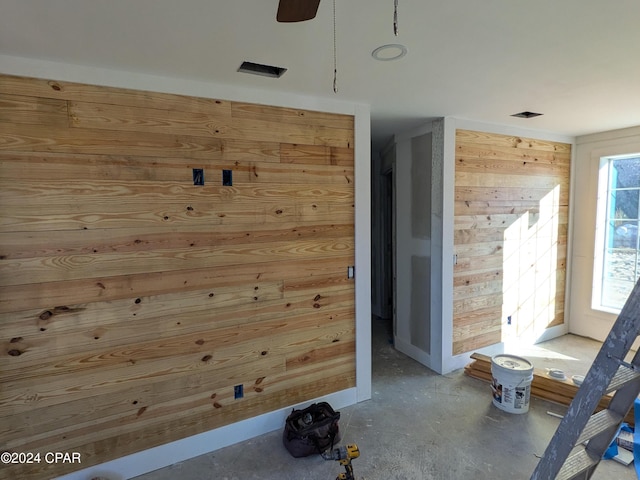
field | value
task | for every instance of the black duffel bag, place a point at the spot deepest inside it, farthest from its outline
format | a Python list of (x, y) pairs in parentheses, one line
[(311, 430)]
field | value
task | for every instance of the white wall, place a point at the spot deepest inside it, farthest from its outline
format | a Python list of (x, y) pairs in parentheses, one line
[(583, 319), (177, 451)]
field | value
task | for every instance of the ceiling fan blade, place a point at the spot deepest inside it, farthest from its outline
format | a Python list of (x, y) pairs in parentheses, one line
[(297, 10)]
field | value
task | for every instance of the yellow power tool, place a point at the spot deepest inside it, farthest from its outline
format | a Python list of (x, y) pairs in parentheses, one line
[(344, 455)]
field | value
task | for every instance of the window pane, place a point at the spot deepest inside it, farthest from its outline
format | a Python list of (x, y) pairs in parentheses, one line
[(624, 234), (625, 173), (618, 276), (618, 265), (624, 204)]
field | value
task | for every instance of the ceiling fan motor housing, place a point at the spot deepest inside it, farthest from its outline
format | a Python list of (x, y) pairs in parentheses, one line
[(297, 10)]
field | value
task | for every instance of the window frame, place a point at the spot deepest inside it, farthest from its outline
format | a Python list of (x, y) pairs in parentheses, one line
[(602, 228)]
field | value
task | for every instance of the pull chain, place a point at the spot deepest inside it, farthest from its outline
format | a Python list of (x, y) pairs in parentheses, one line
[(335, 61), (395, 17)]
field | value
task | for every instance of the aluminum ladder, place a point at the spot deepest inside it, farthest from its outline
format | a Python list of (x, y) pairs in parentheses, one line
[(566, 456)]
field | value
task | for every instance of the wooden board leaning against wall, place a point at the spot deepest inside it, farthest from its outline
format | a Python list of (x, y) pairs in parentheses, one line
[(133, 302), (510, 237)]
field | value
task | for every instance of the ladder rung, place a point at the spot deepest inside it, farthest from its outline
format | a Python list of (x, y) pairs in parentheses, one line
[(598, 423), (623, 376), (578, 462)]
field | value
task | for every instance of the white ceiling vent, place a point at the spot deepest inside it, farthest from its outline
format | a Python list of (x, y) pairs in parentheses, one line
[(263, 70)]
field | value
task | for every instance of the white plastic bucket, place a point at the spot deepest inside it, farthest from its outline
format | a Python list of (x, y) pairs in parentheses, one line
[(511, 384)]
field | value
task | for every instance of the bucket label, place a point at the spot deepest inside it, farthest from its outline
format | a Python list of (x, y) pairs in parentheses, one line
[(497, 390), (521, 399), (511, 397)]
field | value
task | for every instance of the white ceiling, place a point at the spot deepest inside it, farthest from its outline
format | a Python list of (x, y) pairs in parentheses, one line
[(576, 61)]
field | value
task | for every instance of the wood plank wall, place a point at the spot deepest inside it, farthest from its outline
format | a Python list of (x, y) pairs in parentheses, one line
[(510, 237), (132, 301)]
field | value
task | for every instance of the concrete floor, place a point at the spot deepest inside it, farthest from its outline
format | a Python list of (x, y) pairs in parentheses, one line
[(418, 425)]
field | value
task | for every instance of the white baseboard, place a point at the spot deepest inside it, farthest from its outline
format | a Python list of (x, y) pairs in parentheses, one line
[(181, 450)]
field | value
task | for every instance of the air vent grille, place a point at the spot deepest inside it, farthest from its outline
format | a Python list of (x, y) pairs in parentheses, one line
[(526, 114), (263, 70)]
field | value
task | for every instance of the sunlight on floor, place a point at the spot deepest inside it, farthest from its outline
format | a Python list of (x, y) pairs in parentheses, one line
[(524, 349)]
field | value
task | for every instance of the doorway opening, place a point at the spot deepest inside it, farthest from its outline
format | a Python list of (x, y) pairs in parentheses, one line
[(387, 212)]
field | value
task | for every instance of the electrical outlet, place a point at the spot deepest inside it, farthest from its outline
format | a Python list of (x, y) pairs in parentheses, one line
[(238, 391), (198, 176), (227, 178)]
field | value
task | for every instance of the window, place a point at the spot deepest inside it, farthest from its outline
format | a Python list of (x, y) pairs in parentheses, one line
[(616, 266)]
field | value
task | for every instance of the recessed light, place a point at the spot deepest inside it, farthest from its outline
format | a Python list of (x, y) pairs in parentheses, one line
[(386, 53), (526, 114)]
